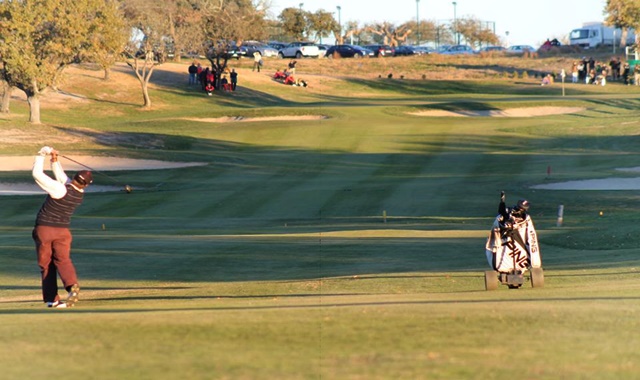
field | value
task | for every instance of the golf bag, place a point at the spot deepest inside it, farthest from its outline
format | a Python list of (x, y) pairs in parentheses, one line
[(513, 245)]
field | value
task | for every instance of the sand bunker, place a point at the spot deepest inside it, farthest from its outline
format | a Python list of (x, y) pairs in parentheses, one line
[(16, 163), (24, 163), (594, 184), (512, 112), (229, 119), (612, 183)]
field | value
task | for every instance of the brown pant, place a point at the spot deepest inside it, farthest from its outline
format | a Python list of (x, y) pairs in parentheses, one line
[(53, 246)]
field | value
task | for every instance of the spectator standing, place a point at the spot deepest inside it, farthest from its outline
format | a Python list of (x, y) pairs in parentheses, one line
[(574, 73), (292, 67), (193, 73), (582, 69), (615, 68), (199, 72), (636, 74), (234, 79), (625, 73), (202, 77), (257, 61)]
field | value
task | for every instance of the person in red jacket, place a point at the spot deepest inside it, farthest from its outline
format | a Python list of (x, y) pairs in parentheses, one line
[(289, 80), (51, 233)]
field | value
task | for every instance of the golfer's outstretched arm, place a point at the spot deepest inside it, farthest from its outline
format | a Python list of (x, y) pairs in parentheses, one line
[(56, 167), (54, 188)]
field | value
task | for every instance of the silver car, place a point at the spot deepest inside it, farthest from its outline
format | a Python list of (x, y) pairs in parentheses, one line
[(299, 50), (264, 49), (458, 49), (520, 49)]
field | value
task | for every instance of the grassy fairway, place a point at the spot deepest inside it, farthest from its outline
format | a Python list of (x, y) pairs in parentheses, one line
[(274, 260)]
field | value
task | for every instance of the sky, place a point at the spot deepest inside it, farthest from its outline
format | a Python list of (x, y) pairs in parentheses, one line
[(529, 22)]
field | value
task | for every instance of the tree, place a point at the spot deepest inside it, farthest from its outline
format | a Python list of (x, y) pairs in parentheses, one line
[(294, 22), (6, 96), (231, 22), (40, 38), (145, 17), (108, 38), (322, 24), (475, 32), (353, 30), (184, 21), (390, 34), (426, 30), (444, 35), (624, 14)]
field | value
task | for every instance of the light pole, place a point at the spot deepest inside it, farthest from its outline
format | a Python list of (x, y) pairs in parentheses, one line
[(455, 24), (418, 20), (339, 8), (301, 5)]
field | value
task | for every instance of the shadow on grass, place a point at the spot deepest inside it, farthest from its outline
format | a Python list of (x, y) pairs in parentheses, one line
[(322, 305), (495, 69), (476, 88), (152, 235)]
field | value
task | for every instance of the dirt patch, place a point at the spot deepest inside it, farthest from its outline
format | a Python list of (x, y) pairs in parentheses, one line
[(512, 112), (229, 119)]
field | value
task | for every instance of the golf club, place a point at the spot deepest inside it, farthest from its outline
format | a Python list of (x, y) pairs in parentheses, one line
[(128, 189)]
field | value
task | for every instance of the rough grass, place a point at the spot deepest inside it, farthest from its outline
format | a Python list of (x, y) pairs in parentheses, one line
[(275, 260)]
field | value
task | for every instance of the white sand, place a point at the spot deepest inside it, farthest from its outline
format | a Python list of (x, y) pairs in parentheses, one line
[(24, 163), (594, 184), (17, 163), (511, 112)]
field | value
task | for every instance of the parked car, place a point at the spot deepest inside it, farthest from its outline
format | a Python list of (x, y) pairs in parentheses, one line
[(442, 48), (380, 50), (519, 49), (299, 50), (234, 51), (406, 50), (348, 51), (425, 49), (497, 49), (264, 49), (323, 50), (276, 45), (458, 50)]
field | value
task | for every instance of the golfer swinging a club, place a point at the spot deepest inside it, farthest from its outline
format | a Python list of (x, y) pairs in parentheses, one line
[(51, 233)]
